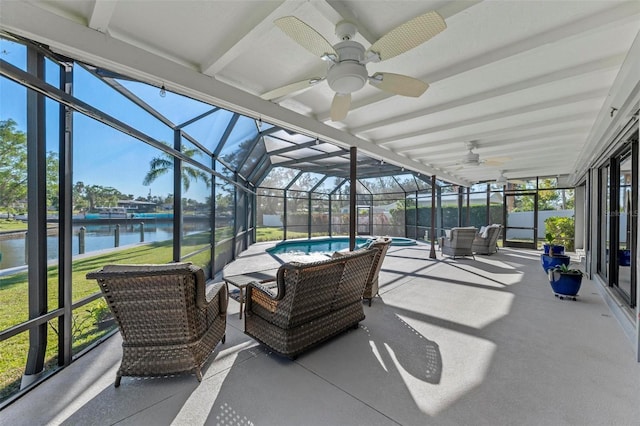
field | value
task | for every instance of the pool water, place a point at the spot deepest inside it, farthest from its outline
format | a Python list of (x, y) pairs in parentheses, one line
[(316, 245), (327, 245)]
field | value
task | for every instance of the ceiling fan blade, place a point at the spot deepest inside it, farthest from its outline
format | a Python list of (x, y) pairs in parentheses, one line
[(408, 35), (340, 106), (398, 84), (290, 88), (496, 161), (305, 36)]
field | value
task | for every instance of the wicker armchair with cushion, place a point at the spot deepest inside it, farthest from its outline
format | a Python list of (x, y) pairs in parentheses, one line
[(169, 321), (372, 287), (459, 242), (311, 303), (486, 240)]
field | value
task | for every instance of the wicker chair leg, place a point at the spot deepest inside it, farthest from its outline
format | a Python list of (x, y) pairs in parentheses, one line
[(371, 298), (198, 374), (224, 338), (117, 383)]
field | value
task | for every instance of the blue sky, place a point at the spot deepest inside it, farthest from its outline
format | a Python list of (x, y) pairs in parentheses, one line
[(103, 155)]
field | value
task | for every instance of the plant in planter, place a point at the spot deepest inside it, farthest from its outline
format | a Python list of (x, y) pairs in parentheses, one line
[(550, 247), (549, 262), (553, 254), (565, 281)]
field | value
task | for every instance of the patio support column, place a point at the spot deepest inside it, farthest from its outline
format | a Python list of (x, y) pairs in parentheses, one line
[(432, 251), (284, 215), (460, 195), (416, 214), (488, 207), (177, 198), (65, 224), (440, 216), (330, 218), (352, 197), (468, 206), (212, 219), (309, 218), (37, 220)]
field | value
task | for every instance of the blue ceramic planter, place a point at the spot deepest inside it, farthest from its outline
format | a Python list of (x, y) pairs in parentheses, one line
[(557, 248), (565, 284), (549, 262), (624, 257)]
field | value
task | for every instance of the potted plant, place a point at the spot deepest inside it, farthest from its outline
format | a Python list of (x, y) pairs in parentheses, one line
[(549, 262), (553, 254), (565, 281), (624, 257), (550, 247)]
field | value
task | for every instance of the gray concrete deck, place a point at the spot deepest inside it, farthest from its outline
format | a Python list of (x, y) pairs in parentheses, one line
[(450, 342)]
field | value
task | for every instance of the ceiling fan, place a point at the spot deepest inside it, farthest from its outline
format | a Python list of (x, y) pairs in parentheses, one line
[(502, 180), (473, 159), (347, 60)]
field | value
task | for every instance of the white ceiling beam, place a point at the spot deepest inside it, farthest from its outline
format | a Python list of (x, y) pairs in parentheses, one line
[(626, 11), (336, 11), (527, 153), (235, 47), (76, 40), (540, 106), (503, 148), (513, 130), (505, 138), (607, 63), (101, 15), (625, 97)]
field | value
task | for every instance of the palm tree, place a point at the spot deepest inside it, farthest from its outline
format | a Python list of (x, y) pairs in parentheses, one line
[(164, 164)]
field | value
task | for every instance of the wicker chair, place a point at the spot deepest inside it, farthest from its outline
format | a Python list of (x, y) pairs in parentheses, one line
[(168, 324), (459, 243), (487, 244), (311, 303), (372, 287)]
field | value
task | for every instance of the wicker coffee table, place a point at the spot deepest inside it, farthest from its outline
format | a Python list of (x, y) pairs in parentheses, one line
[(241, 281)]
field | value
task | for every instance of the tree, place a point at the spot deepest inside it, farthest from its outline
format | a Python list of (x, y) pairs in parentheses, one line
[(13, 165), (13, 168), (52, 166), (91, 196), (79, 201), (163, 164)]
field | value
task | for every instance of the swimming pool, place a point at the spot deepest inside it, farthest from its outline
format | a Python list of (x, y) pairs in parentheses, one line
[(328, 245), (317, 245)]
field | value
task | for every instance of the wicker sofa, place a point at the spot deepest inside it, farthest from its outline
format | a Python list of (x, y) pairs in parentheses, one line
[(485, 242), (459, 242), (170, 323), (311, 303)]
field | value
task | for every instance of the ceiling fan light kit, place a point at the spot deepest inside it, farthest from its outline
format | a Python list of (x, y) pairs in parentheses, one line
[(471, 159), (347, 71)]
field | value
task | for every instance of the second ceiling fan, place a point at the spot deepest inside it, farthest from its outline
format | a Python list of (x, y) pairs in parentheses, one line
[(347, 71)]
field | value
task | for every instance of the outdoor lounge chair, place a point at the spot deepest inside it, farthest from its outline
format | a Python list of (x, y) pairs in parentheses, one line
[(312, 302), (459, 243), (372, 287), (168, 324), (486, 240)]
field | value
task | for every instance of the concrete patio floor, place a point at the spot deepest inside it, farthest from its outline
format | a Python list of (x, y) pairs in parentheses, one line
[(450, 342)]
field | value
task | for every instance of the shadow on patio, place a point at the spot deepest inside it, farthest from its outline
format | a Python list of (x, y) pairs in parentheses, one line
[(449, 342)]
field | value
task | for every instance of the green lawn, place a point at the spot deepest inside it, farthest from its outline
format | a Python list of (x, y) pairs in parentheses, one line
[(277, 234), (86, 320), (12, 225)]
